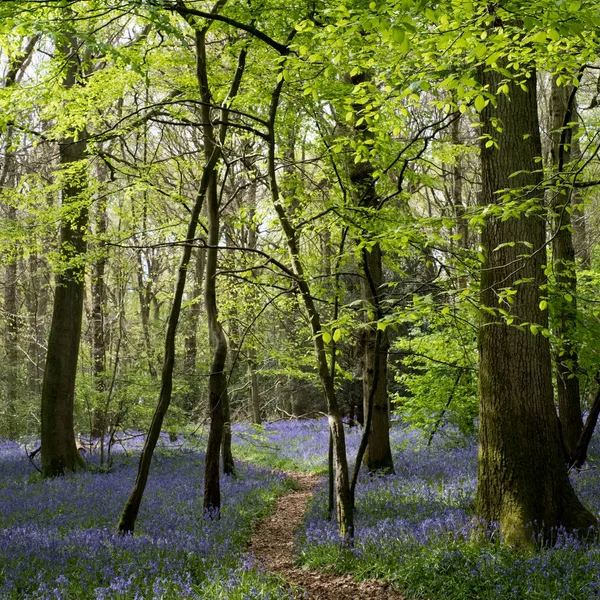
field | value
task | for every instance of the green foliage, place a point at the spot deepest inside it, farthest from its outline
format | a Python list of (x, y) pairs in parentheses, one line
[(437, 368)]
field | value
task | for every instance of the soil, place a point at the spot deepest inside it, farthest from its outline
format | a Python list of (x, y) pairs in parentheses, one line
[(272, 545)]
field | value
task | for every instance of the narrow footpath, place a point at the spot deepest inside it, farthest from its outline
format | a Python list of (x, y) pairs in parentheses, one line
[(272, 545)]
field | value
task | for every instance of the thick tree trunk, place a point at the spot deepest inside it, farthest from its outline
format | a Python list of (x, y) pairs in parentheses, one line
[(522, 478), (563, 262), (59, 451)]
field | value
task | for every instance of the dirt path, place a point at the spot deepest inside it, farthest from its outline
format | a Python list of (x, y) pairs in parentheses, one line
[(272, 545)]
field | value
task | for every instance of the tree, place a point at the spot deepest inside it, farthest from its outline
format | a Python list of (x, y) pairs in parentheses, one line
[(522, 478), (59, 451)]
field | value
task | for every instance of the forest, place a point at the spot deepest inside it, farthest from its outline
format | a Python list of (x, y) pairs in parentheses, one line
[(299, 299)]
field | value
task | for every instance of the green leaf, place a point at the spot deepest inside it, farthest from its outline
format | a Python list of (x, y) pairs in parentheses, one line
[(480, 103), (326, 337), (398, 34), (543, 305), (337, 334), (480, 50)]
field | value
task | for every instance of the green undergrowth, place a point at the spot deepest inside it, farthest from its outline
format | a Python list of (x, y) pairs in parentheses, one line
[(466, 570)]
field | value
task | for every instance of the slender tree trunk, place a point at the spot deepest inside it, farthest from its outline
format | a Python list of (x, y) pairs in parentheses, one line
[(190, 356), (344, 509), (462, 225), (378, 454), (522, 478), (212, 495), (217, 382), (254, 391), (8, 181), (581, 450), (191, 338), (36, 301), (130, 512), (144, 296), (11, 309), (563, 262), (59, 451), (98, 425)]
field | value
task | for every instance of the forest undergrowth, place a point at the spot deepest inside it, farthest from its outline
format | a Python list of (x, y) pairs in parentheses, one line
[(414, 529), (417, 530), (58, 537)]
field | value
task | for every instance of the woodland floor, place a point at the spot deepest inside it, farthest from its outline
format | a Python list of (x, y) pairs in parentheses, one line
[(272, 545)]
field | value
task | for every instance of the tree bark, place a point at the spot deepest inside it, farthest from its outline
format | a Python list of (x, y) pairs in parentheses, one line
[(59, 451), (378, 453), (8, 181), (563, 261), (145, 298), (522, 478)]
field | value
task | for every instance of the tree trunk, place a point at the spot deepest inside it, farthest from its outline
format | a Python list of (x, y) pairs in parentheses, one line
[(130, 512), (522, 478), (563, 262), (378, 454), (8, 181), (11, 309), (208, 179), (190, 356), (191, 338), (59, 451), (144, 296), (98, 424), (344, 509), (254, 391), (36, 301)]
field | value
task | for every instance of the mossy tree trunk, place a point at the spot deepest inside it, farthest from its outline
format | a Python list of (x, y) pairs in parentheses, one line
[(522, 478)]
